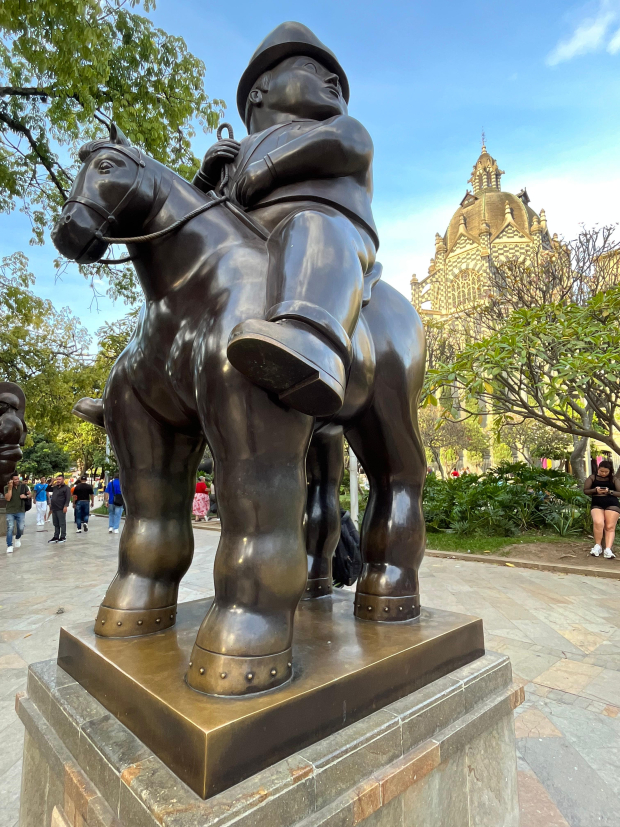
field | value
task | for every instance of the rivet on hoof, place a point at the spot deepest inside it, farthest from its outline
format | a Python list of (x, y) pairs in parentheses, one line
[(369, 608), (171, 617), (289, 665), (202, 670), (400, 608), (223, 675), (273, 673), (103, 622), (386, 609), (158, 620), (319, 587), (118, 623), (191, 663), (250, 676), (140, 622)]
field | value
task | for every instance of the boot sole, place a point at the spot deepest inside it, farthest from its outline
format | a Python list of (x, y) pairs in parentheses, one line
[(297, 381)]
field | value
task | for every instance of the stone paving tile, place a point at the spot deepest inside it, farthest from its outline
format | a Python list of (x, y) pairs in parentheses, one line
[(562, 627)]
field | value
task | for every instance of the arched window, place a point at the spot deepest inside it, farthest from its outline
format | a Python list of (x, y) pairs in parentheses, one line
[(465, 289)]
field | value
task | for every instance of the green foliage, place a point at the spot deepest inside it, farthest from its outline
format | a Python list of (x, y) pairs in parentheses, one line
[(553, 363), (65, 67), (345, 495), (507, 500), (43, 458)]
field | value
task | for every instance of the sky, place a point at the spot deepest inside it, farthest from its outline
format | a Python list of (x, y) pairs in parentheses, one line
[(541, 79)]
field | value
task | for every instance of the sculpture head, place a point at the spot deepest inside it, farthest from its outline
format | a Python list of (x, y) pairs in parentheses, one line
[(292, 74), (106, 189)]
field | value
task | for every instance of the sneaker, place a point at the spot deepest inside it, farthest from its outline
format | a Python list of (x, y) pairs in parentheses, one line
[(596, 550), (608, 554), (110, 530), (116, 530), (9, 549), (53, 540), (17, 543), (85, 527), (78, 531), (63, 540)]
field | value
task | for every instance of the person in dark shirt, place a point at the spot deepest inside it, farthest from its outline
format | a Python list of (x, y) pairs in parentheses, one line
[(83, 499), (59, 503), (15, 493)]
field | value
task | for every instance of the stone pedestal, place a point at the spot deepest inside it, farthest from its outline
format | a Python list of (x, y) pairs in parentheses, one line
[(442, 755)]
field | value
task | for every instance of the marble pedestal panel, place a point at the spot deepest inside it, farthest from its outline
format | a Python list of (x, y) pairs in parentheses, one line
[(442, 755)]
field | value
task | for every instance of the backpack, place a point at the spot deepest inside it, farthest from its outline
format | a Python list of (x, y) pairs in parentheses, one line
[(347, 562), (28, 500)]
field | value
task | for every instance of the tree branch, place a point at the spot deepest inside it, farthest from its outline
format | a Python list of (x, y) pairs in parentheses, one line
[(22, 129)]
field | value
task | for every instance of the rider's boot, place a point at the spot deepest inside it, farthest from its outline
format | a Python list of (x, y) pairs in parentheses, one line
[(293, 360), (91, 410)]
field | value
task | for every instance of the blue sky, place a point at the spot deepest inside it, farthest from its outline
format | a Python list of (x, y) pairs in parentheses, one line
[(542, 78)]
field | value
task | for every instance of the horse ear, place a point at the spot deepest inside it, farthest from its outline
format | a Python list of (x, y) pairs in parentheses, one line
[(116, 136)]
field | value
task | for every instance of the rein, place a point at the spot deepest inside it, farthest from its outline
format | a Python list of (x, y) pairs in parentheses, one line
[(142, 239)]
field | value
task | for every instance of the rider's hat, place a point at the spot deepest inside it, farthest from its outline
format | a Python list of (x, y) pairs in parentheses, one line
[(287, 40)]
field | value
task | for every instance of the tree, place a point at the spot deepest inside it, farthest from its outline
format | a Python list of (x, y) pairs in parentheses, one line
[(65, 70), (533, 440), (86, 444), (554, 364), (42, 349), (43, 458), (440, 433)]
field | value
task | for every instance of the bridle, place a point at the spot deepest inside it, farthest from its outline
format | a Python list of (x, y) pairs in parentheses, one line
[(110, 217)]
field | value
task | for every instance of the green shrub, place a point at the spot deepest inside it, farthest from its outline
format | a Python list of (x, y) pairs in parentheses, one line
[(507, 500)]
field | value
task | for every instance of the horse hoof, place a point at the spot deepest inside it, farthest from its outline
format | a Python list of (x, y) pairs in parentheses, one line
[(215, 674), (318, 587), (291, 360), (133, 622), (386, 609)]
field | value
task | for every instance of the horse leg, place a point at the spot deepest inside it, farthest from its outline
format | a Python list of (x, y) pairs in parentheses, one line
[(387, 441), (244, 642), (157, 472), (324, 466)]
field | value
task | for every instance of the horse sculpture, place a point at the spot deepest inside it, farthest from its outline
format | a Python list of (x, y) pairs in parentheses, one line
[(173, 389)]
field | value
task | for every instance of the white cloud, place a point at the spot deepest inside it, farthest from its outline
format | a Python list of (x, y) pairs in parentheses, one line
[(589, 35)]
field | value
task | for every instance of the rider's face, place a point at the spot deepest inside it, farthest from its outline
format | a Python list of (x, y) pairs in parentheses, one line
[(304, 88)]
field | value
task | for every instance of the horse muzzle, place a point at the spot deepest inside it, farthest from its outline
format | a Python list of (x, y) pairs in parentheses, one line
[(74, 235)]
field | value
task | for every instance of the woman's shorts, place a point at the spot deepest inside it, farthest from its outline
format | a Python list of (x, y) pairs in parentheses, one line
[(615, 508)]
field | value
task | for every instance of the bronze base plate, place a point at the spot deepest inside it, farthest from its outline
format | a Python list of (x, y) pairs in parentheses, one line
[(343, 669)]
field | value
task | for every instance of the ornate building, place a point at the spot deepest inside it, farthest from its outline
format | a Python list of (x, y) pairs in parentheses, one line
[(490, 226)]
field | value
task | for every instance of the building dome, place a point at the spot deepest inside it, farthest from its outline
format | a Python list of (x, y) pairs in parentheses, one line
[(489, 228), (491, 207)]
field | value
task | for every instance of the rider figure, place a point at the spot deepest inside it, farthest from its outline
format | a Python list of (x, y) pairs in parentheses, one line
[(305, 174)]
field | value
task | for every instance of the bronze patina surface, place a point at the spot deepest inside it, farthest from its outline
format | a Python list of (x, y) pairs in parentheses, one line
[(268, 333), (343, 669)]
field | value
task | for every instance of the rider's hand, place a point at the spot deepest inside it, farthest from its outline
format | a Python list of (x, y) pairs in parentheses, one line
[(221, 153), (255, 182)]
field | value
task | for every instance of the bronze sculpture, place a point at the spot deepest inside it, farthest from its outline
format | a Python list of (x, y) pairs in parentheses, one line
[(13, 429), (271, 390)]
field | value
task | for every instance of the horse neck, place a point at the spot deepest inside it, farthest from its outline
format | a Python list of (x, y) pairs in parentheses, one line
[(163, 264)]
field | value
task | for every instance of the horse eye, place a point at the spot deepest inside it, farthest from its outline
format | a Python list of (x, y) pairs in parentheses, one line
[(105, 166)]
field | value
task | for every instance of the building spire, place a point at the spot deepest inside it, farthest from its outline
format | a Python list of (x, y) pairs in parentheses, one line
[(486, 174)]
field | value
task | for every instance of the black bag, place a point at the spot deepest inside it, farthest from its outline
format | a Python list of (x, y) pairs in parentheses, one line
[(347, 562), (28, 500), (117, 499)]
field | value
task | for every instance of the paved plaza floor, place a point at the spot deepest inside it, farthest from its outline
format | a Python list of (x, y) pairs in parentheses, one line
[(561, 631)]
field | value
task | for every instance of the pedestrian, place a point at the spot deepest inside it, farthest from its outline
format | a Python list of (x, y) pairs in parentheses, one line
[(83, 500), (40, 501), (605, 491), (201, 504), (454, 473), (15, 493), (114, 503), (213, 503), (48, 495), (59, 503)]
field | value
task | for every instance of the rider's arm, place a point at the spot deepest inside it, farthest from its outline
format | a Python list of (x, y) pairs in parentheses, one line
[(338, 147)]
